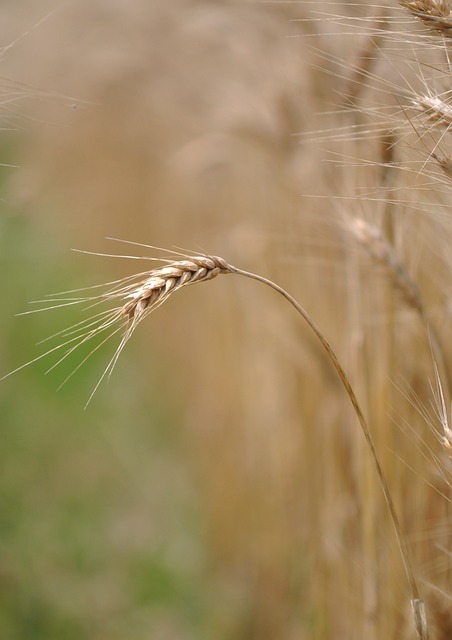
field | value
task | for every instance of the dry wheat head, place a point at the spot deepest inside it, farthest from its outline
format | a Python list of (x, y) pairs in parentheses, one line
[(163, 281), (436, 14)]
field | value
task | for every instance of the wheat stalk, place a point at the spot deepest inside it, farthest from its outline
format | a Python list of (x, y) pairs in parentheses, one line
[(141, 294), (162, 282), (141, 298)]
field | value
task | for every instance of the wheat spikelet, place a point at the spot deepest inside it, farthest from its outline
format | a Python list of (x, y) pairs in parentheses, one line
[(445, 162), (163, 281), (435, 14), (435, 110)]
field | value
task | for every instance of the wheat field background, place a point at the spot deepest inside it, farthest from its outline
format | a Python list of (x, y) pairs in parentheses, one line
[(219, 485)]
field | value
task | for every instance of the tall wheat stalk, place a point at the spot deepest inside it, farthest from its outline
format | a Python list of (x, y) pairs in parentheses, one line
[(142, 297)]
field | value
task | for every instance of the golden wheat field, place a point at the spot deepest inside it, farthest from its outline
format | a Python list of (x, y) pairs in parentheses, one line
[(215, 477)]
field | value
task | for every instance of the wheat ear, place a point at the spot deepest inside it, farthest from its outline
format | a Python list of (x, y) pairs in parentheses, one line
[(154, 290), (162, 282), (384, 254), (380, 249), (435, 110), (435, 14)]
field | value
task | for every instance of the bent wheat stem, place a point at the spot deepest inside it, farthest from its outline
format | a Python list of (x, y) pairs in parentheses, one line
[(143, 294), (419, 620), (161, 283)]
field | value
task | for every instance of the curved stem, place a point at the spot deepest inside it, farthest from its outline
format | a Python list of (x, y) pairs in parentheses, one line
[(364, 427)]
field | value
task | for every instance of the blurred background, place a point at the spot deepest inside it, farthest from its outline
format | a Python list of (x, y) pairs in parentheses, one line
[(218, 485)]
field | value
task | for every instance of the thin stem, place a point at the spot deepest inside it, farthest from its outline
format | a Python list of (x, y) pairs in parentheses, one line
[(420, 628)]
